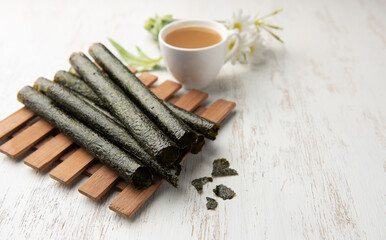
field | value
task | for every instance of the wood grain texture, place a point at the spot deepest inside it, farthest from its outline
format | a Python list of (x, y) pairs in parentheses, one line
[(48, 152), (191, 100), (173, 99), (72, 166), (14, 121), (93, 168), (308, 136), (200, 110), (133, 70), (218, 110), (166, 89), (147, 78), (121, 185), (99, 183), (130, 199), (42, 142), (18, 145)]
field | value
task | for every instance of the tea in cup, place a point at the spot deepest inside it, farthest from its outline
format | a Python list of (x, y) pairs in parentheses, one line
[(195, 50)]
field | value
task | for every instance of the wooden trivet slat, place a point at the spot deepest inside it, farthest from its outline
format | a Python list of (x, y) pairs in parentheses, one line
[(147, 78), (72, 166), (219, 110), (18, 145), (15, 121), (166, 89), (191, 100), (48, 152), (39, 136), (99, 183)]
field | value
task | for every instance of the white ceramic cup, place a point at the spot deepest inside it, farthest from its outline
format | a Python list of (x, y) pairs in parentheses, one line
[(197, 67)]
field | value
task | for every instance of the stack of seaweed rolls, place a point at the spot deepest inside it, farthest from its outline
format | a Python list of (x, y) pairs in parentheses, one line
[(110, 113)]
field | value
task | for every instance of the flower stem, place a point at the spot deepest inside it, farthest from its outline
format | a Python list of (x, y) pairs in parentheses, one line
[(273, 34), (272, 13)]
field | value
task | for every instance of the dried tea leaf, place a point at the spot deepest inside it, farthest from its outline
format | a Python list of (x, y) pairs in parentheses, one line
[(221, 168), (211, 204), (199, 182), (224, 192)]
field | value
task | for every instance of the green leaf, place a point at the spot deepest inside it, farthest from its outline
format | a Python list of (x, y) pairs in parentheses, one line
[(142, 54), (124, 54), (147, 67), (143, 61), (155, 24)]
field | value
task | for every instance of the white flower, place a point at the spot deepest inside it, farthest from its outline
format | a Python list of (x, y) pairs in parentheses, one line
[(251, 48), (257, 51), (240, 22), (246, 40)]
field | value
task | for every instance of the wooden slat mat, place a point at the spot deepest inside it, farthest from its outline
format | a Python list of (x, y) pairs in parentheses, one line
[(21, 134)]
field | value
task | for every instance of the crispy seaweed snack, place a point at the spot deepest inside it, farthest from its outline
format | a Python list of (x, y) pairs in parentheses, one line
[(211, 203), (72, 71), (77, 85), (221, 168), (197, 146), (199, 124), (199, 183), (91, 116), (106, 152), (224, 192), (145, 99), (74, 83), (148, 135)]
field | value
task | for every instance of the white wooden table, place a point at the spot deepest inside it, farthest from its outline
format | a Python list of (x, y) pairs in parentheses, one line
[(308, 136)]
